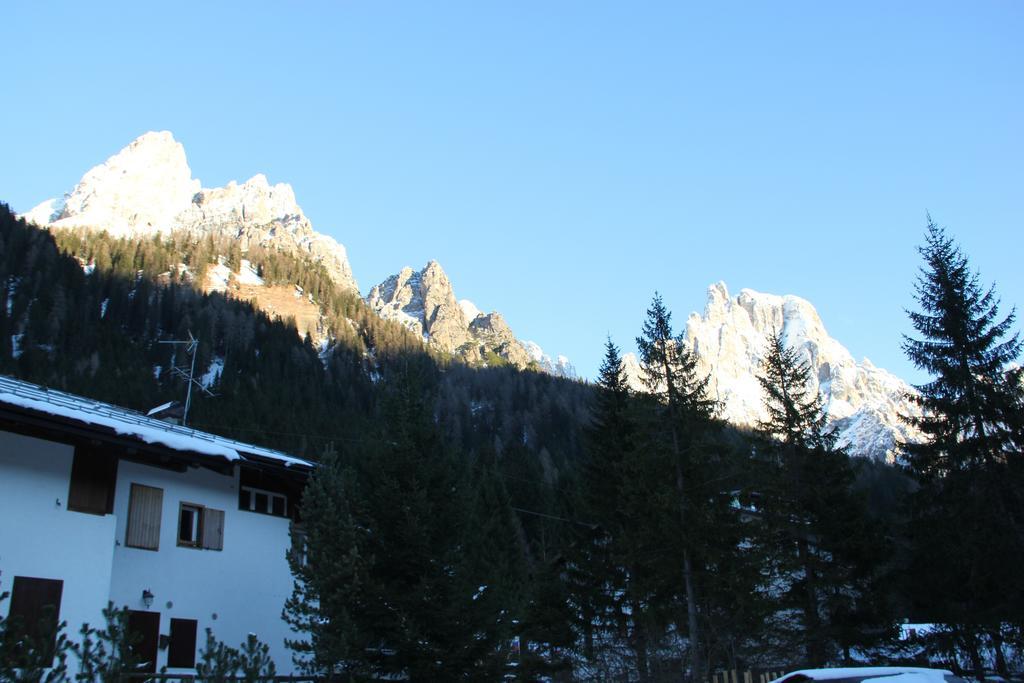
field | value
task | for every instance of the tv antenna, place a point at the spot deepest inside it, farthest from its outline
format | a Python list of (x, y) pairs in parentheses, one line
[(191, 346)]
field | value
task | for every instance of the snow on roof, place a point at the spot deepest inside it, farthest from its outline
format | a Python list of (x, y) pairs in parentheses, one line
[(130, 423), (160, 408)]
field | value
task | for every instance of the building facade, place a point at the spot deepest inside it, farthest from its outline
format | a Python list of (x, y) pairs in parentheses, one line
[(188, 530)]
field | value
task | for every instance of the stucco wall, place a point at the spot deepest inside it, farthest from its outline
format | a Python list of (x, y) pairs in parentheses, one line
[(236, 591), (244, 585), (41, 538)]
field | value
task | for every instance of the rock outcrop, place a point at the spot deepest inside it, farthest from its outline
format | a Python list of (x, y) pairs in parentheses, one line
[(148, 187), (424, 302), (491, 334), (864, 403)]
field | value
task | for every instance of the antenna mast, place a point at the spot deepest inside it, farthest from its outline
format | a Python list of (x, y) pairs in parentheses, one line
[(191, 346)]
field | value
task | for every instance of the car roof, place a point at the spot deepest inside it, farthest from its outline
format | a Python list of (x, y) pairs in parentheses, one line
[(862, 672)]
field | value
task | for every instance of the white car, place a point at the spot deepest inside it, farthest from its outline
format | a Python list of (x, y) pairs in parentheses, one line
[(872, 674)]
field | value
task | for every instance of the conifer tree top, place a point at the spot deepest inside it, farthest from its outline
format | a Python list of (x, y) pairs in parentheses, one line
[(973, 402)]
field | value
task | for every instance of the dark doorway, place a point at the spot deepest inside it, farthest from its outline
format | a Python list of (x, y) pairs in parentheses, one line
[(182, 651), (145, 628), (35, 613)]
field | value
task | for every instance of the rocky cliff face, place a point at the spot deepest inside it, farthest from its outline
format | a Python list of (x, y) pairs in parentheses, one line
[(424, 301), (863, 402), (148, 187), (492, 334)]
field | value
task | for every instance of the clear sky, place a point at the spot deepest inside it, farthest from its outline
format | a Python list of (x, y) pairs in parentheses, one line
[(563, 160)]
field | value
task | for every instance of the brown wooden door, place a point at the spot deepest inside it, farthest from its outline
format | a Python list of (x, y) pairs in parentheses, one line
[(35, 609), (145, 628)]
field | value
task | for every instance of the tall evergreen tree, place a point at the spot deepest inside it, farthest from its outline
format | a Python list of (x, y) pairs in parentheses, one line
[(420, 608), (796, 413), (972, 406), (818, 542), (330, 576), (671, 375), (967, 525), (611, 578)]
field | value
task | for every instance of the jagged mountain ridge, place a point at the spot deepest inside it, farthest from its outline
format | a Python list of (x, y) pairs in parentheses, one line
[(424, 302), (148, 187), (864, 403)]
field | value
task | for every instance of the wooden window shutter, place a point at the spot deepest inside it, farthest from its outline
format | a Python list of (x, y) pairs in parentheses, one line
[(144, 507), (213, 529), (93, 479)]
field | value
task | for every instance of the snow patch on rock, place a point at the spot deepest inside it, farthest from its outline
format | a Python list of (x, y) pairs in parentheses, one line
[(213, 373), (247, 275), (218, 276)]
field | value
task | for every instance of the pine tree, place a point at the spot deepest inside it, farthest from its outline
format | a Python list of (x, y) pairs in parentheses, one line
[(817, 541), (967, 523), (608, 576), (671, 375), (33, 653), (419, 613), (972, 407), (218, 663), (796, 413), (329, 573), (254, 662), (106, 655)]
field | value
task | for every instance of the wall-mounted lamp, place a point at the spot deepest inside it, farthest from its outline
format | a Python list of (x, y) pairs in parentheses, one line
[(147, 598)]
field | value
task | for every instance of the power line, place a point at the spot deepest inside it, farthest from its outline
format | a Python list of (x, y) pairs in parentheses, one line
[(557, 519)]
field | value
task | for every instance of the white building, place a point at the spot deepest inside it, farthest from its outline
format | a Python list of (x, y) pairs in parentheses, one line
[(187, 529)]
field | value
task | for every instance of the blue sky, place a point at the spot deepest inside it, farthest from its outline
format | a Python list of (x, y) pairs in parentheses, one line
[(564, 160)]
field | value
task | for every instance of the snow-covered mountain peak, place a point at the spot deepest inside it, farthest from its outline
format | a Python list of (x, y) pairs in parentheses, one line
[(148, 187), (560, 366), (145, 185), (863, 402)]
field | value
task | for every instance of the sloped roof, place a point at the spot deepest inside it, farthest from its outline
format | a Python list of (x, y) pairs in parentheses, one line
[(129, 423)]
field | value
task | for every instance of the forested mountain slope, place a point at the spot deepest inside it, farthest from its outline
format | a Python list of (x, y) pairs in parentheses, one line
[(86, 311)]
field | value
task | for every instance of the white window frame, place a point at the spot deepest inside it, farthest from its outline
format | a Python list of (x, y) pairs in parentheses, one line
[(197, 525), (271, 495)]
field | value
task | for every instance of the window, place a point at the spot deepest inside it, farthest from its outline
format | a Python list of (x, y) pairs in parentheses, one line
[(190, 525), (181, 653), (93, 478), (200, 527), (35, 610), (144, 505), (259, 500)]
